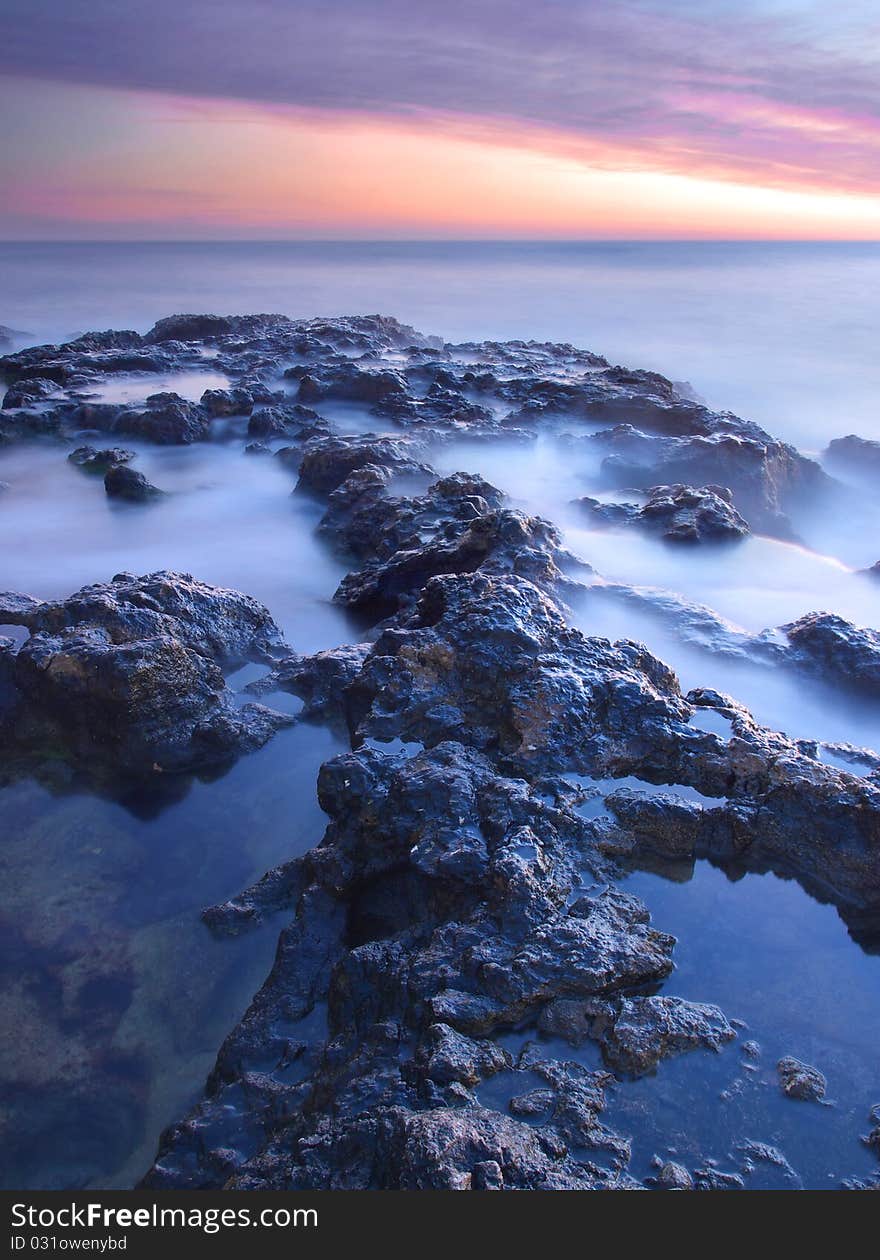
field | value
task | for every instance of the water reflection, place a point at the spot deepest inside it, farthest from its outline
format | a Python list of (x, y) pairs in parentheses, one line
[(115, 996)]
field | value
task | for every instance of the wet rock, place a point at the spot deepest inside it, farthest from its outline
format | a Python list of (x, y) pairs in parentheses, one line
[(454, 1057), (756, 1154), (327, 462), (290, 421), (222, 624), (767, 478), (492, 657), (122, 482), (496, 542), (349, 382), (434, 912), (646, 1030), (684, 514), (166, 419), (200, 328), (227, 402), (678, 514), (838, 650), (28, 392), (100, 461), (714, 1179), (800, 1080), (26, 425), (672, 1176), (129, 673), (321, 680), (872, 1138)]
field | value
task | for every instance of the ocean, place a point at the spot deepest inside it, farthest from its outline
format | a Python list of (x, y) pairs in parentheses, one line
[(114, 995), (783, 333)]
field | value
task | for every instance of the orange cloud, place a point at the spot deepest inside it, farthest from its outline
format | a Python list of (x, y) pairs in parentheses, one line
[(163, 164)]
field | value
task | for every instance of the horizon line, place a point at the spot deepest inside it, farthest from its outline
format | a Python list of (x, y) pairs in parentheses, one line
[(442, 240)]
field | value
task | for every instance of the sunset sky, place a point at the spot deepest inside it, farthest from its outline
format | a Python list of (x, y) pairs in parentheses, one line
[(491, 118)]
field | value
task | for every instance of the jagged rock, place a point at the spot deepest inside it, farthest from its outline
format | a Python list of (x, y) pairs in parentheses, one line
[(191, 328), (122, 482), (800, 1080), (678, 514), (714, 1179), (28, 392), (321, 681), (327, 462), (288, 421), (767, 478), (129, 673), (435, 911), (503, 541), (454, 1057), (458, 892), (493, 657), (645, 1030), (227, 402), (100, 461), (167, 419), (672, 1176), (838, 650)]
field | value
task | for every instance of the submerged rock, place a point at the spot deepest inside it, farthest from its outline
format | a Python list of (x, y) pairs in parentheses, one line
[(645, 1030), (672, 1176), (800, 1080)]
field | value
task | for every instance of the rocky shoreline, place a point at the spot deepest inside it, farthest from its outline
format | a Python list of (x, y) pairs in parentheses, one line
[(463, 888)]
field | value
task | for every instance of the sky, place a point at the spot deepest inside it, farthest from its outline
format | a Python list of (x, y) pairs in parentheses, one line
[(573, 119)]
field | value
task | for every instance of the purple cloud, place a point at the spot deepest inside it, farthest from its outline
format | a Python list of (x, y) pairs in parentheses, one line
[(761, 89)]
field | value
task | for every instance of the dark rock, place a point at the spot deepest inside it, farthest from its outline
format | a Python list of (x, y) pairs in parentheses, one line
[(327, 462), (100, 461), (492, 660), (841, 652), (167, 419), (28, 392), (684, 514), (122, 482), (645, 1030), (714, 1179), (678, 514), (190, 328), (26, 425), (855, 455), (227, 402), (672, 1176), (291, 421), (767, 478), (800, 1080), (129, 672)]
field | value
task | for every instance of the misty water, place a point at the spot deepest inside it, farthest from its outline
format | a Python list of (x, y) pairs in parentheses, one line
[(117, 994)]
